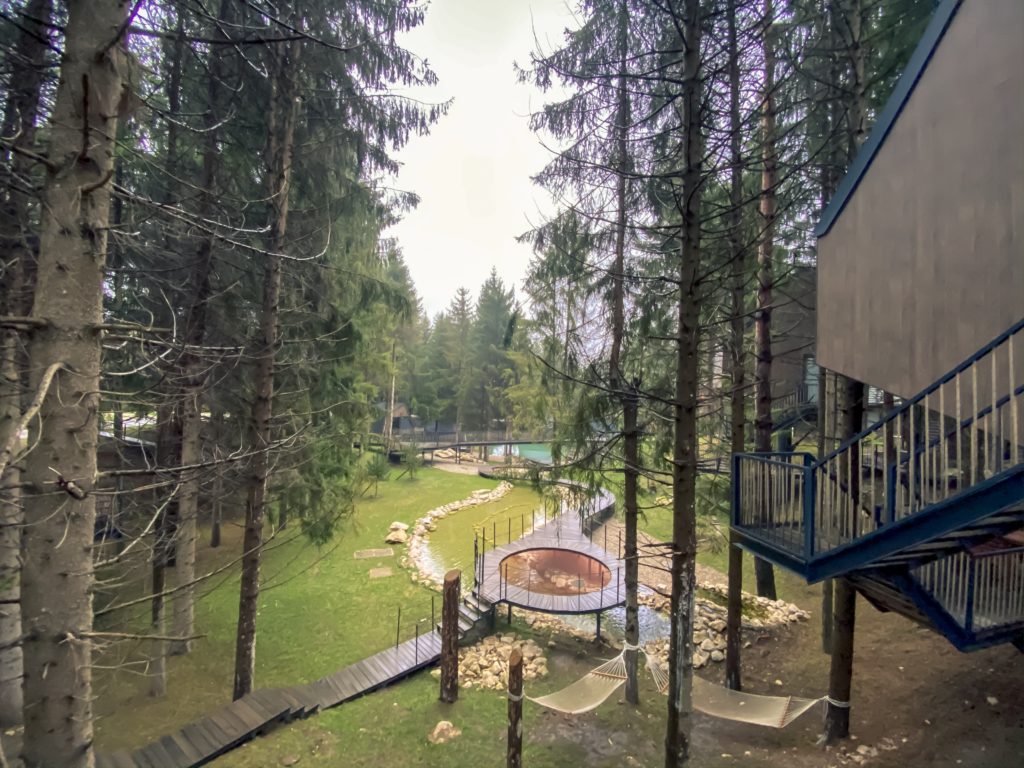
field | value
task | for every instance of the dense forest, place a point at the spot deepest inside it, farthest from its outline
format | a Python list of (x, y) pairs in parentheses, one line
[(204, 315)]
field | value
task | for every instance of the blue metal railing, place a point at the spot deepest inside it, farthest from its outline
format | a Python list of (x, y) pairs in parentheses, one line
[(806, 507), (982, 591)]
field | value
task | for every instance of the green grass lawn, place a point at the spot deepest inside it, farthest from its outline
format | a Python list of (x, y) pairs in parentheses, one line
[(319, 611), (452, 542)]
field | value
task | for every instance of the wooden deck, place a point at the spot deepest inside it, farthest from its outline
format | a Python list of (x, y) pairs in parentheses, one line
[(564, 532), (224, 729)]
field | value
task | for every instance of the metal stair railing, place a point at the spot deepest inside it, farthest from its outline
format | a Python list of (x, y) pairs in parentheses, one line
[(808, 508), (982, 591)]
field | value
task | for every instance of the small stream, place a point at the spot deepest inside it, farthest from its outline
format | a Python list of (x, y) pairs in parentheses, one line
[(653, 625)]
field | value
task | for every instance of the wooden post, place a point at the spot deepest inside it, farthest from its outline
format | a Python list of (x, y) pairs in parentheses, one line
[(450, 637), (515, 709)]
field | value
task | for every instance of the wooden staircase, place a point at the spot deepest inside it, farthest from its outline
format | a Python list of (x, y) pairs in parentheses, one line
[(913, 509)]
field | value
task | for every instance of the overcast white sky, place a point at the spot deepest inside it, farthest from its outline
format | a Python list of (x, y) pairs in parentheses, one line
[(473, 170)]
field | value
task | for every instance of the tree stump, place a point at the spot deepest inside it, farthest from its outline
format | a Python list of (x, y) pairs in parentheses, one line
[(515, 710), (450, 637)]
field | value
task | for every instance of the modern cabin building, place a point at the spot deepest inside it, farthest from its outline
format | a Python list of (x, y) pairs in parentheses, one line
[(923, 511), (935, 203)]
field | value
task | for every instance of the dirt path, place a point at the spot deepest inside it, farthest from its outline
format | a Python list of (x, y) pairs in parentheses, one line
[(458, 468), (916, 700)]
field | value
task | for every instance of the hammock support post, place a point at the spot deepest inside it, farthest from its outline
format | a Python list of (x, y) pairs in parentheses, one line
[(837, 719), (450, 637), (514, 751)]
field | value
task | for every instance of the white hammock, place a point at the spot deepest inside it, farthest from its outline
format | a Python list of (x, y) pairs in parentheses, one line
[(594, 688), (589, 692)]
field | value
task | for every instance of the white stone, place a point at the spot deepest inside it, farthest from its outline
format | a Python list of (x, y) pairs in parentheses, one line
[(443, 732)]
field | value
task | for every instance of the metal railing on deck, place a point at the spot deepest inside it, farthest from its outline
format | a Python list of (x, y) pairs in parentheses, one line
[(980, 591), (411, 628), (959, 432), (497, 533), (770, 495)]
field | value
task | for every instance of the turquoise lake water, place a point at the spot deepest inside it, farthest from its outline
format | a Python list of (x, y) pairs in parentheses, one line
[(538, 452)]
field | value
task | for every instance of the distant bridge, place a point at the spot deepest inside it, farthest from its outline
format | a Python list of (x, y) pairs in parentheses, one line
[(425, 441)]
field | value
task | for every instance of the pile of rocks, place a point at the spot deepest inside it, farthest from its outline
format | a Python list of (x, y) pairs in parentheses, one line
[(758, 612), (450, 454), (415, 559), (485, 665), (398, 533), (553, 623), (709, 623)]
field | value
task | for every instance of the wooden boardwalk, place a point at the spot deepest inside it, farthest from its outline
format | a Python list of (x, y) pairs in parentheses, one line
[(258, 712), (563, 532)]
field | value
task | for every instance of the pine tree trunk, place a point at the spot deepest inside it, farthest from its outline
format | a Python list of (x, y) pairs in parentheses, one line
[(389, 424), (192, 365), (168, 455), (283, 114), (630, 406), (684, 453), (621, 160), (60, 471), (737, 395), (21, 114), (837, 718), (763, 570), (186, 532), (168, 413), (217, 503), (629, 400), (10, 540)]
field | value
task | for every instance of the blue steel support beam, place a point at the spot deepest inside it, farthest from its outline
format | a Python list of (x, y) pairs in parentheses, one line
[(749, 541), (930, 607)]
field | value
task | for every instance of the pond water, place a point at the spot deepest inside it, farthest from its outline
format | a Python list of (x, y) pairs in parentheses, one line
[(653, 625), (451, 545), (538, 452), (555, 572)]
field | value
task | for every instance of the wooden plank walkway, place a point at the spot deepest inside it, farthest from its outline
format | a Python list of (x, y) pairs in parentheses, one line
[(563, 532), (224, 729)]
